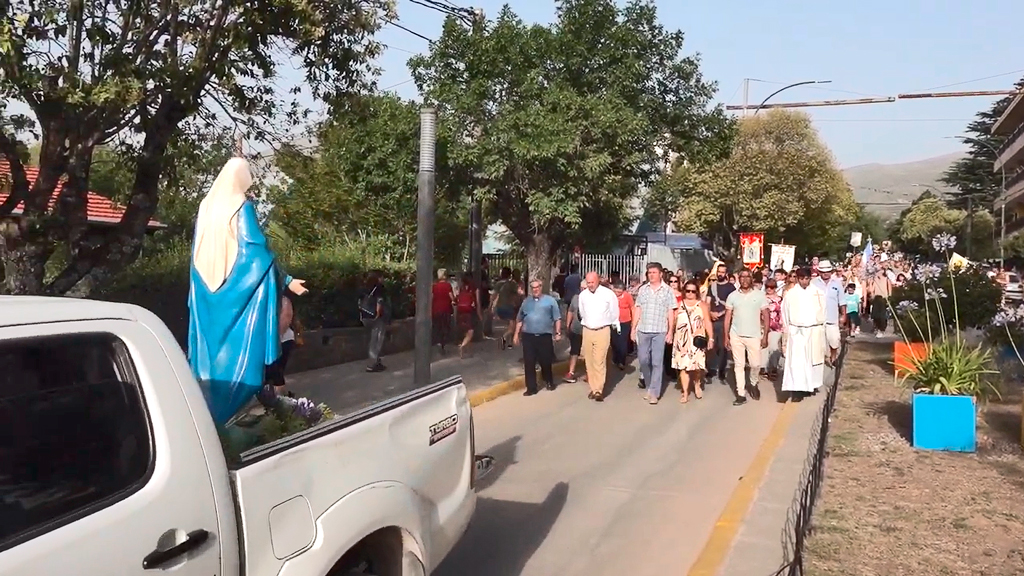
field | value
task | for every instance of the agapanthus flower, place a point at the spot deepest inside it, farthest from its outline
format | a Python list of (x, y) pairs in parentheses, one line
[(927, 272), (906, 306), (944, 242), (934, 293), (1009, 316), (308, 411)]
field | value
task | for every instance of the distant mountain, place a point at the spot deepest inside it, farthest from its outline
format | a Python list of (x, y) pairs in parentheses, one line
[(886, 189)]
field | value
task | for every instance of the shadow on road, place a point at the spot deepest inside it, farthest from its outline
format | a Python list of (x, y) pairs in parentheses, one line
[(504, 535), (504, 454)]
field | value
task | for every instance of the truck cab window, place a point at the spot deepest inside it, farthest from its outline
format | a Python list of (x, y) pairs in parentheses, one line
[(74, 433)]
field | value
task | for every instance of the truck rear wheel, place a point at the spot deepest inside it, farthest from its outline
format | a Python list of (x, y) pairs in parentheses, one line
[(379, 554)]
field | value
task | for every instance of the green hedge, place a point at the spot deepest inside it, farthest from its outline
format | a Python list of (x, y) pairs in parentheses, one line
[(334, 276)]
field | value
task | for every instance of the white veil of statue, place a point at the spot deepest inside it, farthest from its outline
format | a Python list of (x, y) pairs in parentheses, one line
[(215, 246)]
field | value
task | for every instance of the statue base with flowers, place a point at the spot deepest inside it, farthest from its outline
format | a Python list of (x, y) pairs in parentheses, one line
[(273, 418)]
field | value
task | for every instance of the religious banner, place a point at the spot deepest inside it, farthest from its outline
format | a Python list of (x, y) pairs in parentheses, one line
[(782, 256), (855, 239), (957, 261), (752, 248)]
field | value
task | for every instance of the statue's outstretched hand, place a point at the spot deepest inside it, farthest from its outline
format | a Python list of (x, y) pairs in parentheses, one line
[(297, 287)]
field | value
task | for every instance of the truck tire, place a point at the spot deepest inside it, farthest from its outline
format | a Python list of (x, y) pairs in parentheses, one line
[(358, 572), (379, 554)]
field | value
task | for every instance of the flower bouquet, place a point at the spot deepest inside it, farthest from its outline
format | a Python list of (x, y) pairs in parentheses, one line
[(281, 417)]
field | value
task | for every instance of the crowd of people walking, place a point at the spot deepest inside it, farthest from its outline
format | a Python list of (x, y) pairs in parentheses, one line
[(680, 328)]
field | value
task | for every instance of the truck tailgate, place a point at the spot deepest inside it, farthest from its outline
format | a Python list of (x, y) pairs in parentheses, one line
[(407, 462)]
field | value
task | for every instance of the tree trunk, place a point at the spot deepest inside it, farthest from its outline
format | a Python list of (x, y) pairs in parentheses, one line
[(95, 263), (540, 259), (24, 266)]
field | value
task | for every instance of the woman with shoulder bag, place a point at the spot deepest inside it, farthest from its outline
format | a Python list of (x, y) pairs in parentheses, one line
[(693, 338)]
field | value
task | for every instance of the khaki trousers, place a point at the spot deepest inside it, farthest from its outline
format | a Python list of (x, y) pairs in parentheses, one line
[(745, 352), (595, 355)]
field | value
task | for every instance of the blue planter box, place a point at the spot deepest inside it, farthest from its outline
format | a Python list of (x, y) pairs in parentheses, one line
[(944, 423)]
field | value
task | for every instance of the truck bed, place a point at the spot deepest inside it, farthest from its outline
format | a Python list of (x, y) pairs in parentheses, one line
[(414, 449)]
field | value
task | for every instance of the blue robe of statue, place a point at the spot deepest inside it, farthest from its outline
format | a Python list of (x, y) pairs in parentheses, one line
[(233, 332)]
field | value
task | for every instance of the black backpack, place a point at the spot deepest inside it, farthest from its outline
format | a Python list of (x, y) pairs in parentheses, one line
[(368, 304)]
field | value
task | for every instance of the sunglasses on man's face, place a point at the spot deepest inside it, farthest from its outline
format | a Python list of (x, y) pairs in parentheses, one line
[(690, 291)]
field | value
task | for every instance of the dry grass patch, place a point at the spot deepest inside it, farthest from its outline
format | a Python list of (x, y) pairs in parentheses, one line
[(887, 509)]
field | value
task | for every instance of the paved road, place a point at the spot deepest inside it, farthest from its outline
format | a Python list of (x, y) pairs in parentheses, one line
[(590, 489), (617, 488)]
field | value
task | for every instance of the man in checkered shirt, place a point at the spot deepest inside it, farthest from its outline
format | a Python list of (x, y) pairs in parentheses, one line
[(653, 327)]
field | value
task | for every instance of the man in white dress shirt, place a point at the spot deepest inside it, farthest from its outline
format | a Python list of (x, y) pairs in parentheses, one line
[(599, 315), (835, 308), (803, 336)]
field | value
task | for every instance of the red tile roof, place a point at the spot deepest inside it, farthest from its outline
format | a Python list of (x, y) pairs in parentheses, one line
[(99, 209)]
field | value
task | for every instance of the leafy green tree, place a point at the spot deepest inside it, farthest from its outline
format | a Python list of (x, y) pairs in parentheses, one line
[(780, 179), (923, 220), (929, 216), (357, 185), (563, 125), (194, 158), (134, 72), (1013, 246), (974, 174)]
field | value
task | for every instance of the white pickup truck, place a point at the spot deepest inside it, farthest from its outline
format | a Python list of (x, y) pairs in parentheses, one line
[(110, 464)]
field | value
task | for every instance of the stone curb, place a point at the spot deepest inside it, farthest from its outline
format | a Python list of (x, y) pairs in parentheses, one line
[(515, 384)]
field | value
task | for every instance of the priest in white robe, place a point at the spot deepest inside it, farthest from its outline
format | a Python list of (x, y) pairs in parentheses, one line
[(803, 336)]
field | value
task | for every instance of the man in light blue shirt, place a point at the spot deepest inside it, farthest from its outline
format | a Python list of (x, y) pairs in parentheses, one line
[(539, 319), (835, 308)]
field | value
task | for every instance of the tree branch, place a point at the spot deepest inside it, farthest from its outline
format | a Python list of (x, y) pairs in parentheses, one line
[(19, 180)]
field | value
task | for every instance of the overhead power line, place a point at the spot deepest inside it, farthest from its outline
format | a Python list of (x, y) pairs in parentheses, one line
[(890, 99), (812, 104), (390, 47), (975, 80), (918, 95), (402, 83), (413, 32), (893, 120)]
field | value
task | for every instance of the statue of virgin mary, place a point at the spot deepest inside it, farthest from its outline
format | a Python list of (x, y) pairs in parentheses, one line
[(235, 290)]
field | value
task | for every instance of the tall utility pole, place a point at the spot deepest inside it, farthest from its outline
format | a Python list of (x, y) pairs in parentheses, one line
[(424, 245), (746, 95), (476, 223)]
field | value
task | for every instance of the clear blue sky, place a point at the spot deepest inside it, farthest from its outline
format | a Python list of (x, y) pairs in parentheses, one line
[(871, 47)]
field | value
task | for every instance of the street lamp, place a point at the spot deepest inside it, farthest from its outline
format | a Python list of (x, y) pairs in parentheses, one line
[(805, 82), (1002, 193)]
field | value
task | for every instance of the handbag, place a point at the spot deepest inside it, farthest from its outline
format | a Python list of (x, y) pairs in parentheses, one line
[(700, 341)]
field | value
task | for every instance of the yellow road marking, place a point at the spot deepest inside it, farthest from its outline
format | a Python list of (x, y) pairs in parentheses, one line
[(715, 550)]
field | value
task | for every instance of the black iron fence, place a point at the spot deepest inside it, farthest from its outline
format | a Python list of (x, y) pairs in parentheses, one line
[(799, 523), (498, 260)]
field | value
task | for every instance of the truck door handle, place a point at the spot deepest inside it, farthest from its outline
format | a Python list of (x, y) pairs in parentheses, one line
[(158, 558)]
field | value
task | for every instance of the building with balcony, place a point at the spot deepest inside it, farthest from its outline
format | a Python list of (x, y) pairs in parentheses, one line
[(1010, 162)]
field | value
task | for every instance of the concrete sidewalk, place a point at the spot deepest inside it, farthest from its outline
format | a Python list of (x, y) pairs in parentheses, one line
[(765, 540), (487, 371)]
